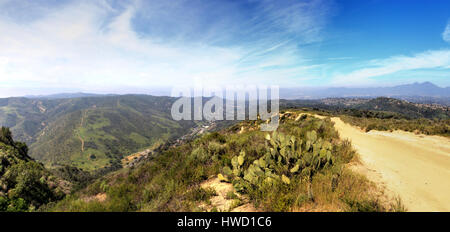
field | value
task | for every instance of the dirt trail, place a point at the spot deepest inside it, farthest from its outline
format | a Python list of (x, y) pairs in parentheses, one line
[(415, 167), (81, 125)]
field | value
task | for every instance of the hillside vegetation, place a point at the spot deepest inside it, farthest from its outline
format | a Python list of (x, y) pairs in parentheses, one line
[(384, 114), (93, 132), (387, 121), (388, 107), (418, 126), (407, 109), (300, 167), (25, 185)]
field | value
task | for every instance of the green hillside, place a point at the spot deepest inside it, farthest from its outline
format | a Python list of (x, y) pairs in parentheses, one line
[(391, 107), (407, 109), (300, 167), (25, 184), (91, 132), (383, 114)]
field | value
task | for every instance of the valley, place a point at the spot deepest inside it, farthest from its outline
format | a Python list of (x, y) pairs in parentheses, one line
[(92, 133)]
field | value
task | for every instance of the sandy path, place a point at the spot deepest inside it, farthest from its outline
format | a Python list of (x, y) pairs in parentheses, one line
[(415, 167)]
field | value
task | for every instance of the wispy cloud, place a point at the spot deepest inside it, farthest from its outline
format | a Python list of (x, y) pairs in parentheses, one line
[(98, 45), (446, 33), (381, 67)]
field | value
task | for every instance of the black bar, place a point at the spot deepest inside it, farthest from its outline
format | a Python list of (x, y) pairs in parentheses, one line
[(248, 221)]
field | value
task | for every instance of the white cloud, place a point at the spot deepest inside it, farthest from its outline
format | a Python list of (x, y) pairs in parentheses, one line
[(446, 33), (68, 48), (301, 18), (92, 46), (425, 60)]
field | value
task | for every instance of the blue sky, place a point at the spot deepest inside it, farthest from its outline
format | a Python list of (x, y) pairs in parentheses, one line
[(110, 46)]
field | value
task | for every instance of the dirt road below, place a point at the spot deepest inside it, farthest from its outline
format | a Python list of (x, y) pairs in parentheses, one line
[(81, 126), (414, 167)]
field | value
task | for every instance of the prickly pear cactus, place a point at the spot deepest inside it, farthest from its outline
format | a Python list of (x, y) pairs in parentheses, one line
[(286, 158)]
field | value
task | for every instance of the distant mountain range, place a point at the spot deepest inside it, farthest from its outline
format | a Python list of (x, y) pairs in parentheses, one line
[(425, 89), (67, 95), (417, 90)]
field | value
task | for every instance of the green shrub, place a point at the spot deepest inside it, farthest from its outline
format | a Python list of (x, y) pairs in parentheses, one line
[(200, 194)]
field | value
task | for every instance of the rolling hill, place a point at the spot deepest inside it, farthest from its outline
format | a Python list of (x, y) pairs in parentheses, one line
[(90, 132), (401, 108), (425, 92)]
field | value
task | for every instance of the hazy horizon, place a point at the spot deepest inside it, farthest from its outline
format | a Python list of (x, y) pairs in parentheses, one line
[(166, 91)]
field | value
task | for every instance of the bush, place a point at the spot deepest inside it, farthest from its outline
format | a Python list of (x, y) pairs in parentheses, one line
[(200, 194), (6, 136)]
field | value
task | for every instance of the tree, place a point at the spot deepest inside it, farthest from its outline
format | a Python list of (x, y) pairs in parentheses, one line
[(6, 136)]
